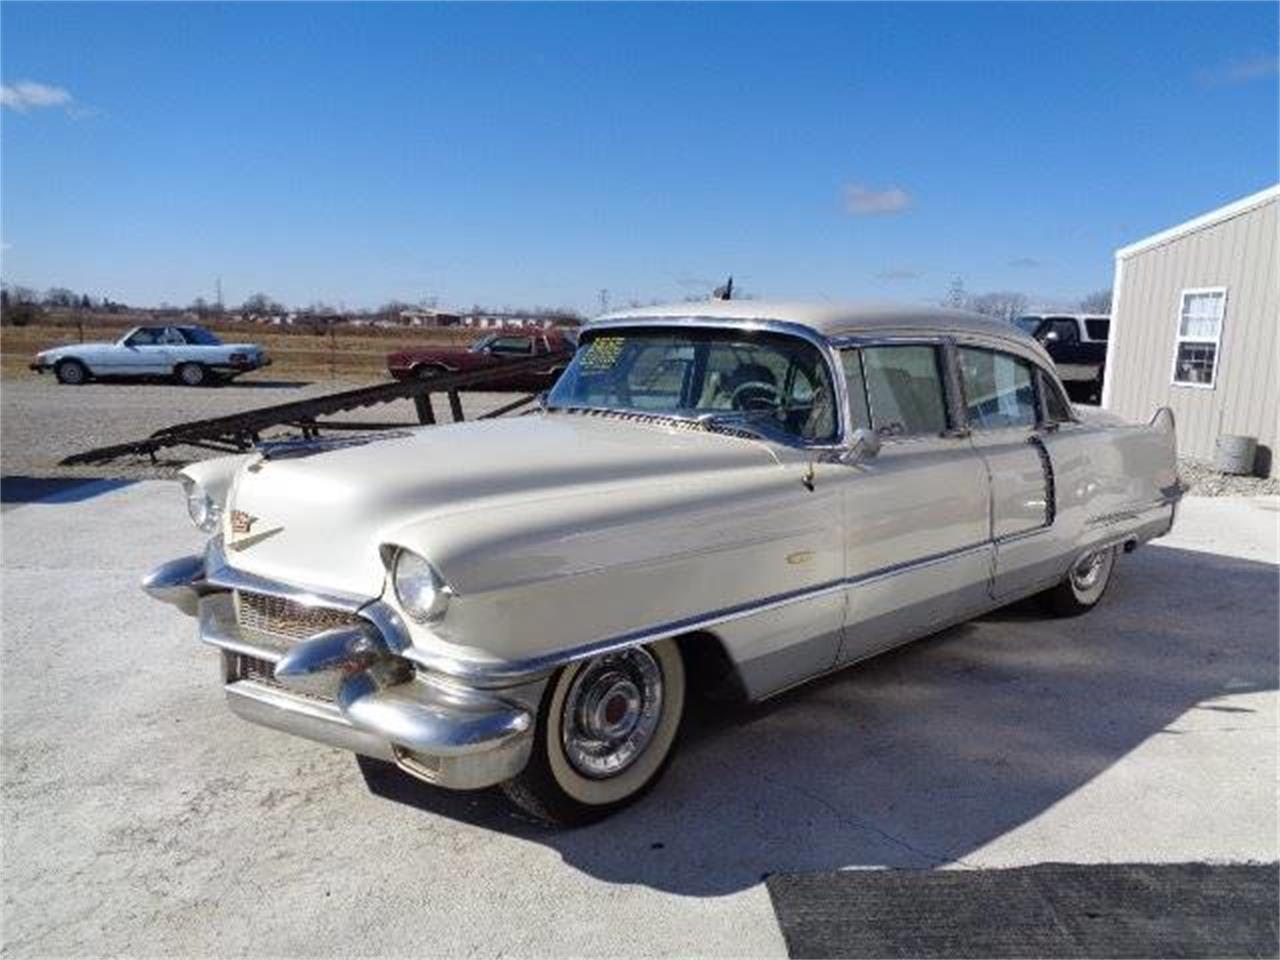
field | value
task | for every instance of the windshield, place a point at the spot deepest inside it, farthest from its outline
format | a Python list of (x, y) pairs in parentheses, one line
[(480, 344), (773, 382), (200, 336), (1028, 324)]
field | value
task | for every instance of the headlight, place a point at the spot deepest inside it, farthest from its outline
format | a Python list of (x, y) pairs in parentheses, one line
[(421, 592), (204, 510)]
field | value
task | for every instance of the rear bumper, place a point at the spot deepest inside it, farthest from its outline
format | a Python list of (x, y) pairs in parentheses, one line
[(431, 726)]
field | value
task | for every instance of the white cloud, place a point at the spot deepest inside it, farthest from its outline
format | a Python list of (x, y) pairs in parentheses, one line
[(1240, 71), (862, 201), (28, 95)]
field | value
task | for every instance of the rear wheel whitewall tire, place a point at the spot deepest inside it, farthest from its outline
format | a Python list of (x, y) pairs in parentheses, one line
[(1084, 585), (606, 731)]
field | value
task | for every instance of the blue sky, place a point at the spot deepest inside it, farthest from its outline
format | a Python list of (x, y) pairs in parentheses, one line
[(535, 154)]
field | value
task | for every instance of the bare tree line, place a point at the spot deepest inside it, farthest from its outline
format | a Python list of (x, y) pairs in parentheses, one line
[(1008, 305)]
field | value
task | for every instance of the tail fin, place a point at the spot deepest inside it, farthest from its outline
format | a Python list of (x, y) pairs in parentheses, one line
[(1162, 420)]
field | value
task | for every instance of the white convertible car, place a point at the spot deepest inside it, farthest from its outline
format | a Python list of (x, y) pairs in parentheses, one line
[(192, 355), (738, 495)]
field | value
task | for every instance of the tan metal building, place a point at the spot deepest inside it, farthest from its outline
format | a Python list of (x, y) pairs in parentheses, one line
[(1194, 320)]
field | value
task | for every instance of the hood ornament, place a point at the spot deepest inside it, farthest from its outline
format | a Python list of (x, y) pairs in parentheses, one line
[(242, 522)]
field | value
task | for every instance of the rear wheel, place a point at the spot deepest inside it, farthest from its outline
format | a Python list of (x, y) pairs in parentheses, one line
[(192, 374), (606, 728), (1084, 584), (71, 372)]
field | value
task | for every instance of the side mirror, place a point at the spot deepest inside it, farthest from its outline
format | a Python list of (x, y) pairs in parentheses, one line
[(1051, 336), (863, 445)]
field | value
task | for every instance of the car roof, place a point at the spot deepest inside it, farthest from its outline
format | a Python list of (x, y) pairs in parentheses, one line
[(834, 320)]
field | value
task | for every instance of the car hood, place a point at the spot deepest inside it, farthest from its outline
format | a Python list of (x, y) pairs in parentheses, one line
[(318, 521), (67, 348)]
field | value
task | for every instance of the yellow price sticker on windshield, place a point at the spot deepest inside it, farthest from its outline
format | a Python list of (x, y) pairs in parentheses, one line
[(601, 354)]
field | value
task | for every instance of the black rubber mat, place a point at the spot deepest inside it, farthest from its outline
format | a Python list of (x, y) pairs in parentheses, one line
[(1047, 910)]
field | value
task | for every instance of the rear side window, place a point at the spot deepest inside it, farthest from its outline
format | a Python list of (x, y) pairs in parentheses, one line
[(1098, 329), (1055, 407), (904, 391), (514, 345), (998, 389)]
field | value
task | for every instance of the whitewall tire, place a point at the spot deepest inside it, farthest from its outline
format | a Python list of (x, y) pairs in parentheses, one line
[(606, 729), (1084, 585)]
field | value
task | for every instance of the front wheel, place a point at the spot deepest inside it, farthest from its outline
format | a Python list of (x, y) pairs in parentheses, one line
[(71, 372), (1083, 585), (606, 728)]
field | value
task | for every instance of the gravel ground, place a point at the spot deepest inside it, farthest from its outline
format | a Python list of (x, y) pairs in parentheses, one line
[(42, 421), (1205, 481)]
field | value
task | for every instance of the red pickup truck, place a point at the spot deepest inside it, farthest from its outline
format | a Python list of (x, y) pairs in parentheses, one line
[(493, 350)]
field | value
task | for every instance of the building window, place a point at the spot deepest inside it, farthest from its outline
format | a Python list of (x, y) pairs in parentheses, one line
[(1195, 355)]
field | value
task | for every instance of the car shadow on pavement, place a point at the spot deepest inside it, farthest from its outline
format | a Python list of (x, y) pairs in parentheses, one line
[(17, 490), (922, 755)]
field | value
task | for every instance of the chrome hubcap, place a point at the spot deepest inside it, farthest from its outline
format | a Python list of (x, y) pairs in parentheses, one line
[(611, 712), (1086, 573)]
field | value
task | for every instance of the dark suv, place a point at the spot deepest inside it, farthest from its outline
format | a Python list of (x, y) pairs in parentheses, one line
[(1078, 345)]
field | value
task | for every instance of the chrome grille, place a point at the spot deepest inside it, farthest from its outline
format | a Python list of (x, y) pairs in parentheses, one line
[(245, 667), (280, 617), (254, 668)]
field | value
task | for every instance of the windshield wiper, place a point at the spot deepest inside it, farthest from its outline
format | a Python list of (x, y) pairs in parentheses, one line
[(737, 421)]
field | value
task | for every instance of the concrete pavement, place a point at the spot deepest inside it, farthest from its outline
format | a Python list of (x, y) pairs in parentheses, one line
[(140, 817)]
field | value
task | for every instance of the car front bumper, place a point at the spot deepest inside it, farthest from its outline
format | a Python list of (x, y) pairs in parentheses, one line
[(372, 703)]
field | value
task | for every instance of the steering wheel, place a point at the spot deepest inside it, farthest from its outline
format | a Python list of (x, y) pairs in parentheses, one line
[(755, 395)]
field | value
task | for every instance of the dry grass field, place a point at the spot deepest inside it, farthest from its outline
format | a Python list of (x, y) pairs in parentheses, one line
[(347, 353)]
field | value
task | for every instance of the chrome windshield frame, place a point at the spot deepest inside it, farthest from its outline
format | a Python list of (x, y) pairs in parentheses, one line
[(754, 325)]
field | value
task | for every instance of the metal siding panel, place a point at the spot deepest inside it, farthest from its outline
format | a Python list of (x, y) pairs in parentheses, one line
[(1243, 255)]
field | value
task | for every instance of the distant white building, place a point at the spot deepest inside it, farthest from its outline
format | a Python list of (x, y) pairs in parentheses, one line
[(429, 317)]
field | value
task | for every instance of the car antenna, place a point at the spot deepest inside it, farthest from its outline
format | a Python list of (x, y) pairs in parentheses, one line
[(725, 292)]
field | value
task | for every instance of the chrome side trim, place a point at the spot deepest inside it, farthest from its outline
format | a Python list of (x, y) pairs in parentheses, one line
[(486, 675), (1168, 498)]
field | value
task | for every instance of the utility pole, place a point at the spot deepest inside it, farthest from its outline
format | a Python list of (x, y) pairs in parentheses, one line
[(604, 300), (218, 295)]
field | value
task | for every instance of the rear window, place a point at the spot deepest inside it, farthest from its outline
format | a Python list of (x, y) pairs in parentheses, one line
[(1098, 329)]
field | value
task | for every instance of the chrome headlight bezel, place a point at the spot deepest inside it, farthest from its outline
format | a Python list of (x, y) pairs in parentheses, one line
[(205, 512), (419, 589)]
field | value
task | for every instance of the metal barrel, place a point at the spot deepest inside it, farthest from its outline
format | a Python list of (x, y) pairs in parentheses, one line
[(1235, 454)]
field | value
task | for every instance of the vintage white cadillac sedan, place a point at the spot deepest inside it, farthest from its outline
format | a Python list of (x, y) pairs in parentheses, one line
[(738, 495)]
